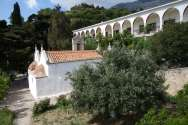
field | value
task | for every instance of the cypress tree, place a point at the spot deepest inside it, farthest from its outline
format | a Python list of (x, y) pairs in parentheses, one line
[(16, 18)]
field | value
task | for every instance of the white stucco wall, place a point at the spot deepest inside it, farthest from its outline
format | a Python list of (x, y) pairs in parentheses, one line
[(57, 83), (32, 85)]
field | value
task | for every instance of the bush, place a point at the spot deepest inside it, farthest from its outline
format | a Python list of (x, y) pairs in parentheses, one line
[(41, 107), (4, 84), (182, 101), (164, 116), (90, 43), (154, 117), (181, 120), (170, 45), (63, 102), (6, 117), (125, 81)]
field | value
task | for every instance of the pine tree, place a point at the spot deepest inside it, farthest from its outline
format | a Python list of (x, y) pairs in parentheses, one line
[(16, 18)]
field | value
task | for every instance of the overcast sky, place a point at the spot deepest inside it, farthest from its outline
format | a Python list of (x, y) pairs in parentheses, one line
[(32, 6)]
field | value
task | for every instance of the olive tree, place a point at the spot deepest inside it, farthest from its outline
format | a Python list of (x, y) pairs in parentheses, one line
[(124, 81)]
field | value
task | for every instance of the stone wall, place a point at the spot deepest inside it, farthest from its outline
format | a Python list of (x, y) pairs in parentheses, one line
[(176, 79)]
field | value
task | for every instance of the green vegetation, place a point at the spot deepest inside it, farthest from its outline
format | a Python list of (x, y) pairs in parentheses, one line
[(41, 107), (169, 46), (6, 117), (16, 18), (125, 81), (64, 103), (84, 15), (176, 115), (90, 43), (59, 33), (50, 27), (4, 84)]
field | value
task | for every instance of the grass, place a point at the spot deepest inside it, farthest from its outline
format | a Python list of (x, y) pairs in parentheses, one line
[(62, 116), (6, 117)]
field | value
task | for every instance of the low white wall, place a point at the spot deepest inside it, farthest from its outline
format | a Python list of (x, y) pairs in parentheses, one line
[(176, 79), (57, 83)]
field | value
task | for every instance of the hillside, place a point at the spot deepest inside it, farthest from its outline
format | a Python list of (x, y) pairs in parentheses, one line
[(141, 4)]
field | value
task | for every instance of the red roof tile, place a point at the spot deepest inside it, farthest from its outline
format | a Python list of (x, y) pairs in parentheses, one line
[(67, 56)]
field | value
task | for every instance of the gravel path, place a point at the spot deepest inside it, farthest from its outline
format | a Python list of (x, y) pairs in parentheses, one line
[(20, 101)]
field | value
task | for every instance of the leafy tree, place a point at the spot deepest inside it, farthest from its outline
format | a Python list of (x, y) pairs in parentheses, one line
[(59, 31), (16, 18), (170, 45), (83, 15), (124, 81)]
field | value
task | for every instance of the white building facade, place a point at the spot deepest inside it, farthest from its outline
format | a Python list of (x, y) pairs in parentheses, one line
[(154, 18), (48, 73)]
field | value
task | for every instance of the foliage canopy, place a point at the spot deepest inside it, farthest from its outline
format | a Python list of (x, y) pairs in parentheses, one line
[(124, 81)]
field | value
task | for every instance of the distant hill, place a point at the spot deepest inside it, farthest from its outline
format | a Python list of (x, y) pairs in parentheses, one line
[(141, 4)]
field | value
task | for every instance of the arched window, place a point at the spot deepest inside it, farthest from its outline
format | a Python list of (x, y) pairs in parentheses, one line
[(171, 15), (153, 23), (98, 31), (108, 31), (87, 33), (93, 33), (126, 25), (82, 34), (116, 28), (138, 26)]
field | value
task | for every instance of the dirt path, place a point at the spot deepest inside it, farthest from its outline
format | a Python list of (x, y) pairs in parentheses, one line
[(20, 101)]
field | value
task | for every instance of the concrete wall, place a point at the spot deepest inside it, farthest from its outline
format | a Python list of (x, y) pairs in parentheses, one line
[(57, 83), (176, 79)]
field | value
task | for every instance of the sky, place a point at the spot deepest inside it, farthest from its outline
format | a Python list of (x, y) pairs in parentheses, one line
[(29, 7)]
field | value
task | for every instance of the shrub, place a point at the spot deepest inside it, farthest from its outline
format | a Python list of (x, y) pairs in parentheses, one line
[(182, 100), (125, 81), (170, 45), (90, 43), (41, 107), (6, 117), (154, 117), (178, 116), (63, 102), (180, 120), (4, 84)]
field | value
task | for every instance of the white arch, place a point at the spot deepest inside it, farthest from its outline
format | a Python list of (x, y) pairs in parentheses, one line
[(116, 28), (98, 31), (153, 23), (92, 33), (171, 15), (138, 25), (78, 33), (126, 25), (87, 33), (82, 34), (108, 31), (185, 15)]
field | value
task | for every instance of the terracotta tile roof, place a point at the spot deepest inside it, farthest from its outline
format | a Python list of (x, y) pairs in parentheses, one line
[(37, 70), (68, 56)]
